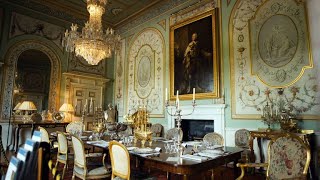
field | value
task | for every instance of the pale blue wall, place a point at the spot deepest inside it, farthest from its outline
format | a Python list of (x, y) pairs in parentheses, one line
[(225, 85)]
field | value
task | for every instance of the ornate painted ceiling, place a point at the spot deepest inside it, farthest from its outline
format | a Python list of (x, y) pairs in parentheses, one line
[(117, 11)]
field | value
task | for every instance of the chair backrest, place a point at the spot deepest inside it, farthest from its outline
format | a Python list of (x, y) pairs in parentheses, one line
[(174, 133), (14, 168), (44, 135), (120, 160), (74, 127), (289, 157), (62, 143), (37, 136), (23, 155), (242, 137), (214, 138), (79, 154), (33, 147), (156, 130)]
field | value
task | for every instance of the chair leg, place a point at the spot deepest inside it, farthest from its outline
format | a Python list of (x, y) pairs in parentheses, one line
[(57, 163), (64, 170), (212, 174), (73, 176)]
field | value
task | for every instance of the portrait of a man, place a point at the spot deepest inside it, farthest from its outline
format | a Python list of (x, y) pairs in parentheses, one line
[(194, 57)]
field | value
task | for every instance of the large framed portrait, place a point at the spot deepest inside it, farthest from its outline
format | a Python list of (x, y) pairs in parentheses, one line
[(194, 57)]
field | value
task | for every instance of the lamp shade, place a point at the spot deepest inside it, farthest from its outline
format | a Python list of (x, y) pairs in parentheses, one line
[(66, 107), (27, 106), (17, 106)]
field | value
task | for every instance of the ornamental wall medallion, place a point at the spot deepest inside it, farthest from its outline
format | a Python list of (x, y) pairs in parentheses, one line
[(146, 74), (270, 57), (279, 42)]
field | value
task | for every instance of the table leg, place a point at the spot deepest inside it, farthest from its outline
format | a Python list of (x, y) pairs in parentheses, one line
[(235, 168), (185, 177), (17, 138)]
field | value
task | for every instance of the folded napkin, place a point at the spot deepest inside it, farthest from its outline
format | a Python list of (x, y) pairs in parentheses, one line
[(168, 141), (194, 158), (158, 149), (172, 159), (149, 154), (131, 148), (208, 155)]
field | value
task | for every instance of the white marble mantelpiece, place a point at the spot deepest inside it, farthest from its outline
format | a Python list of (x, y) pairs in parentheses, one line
[(203, 112)]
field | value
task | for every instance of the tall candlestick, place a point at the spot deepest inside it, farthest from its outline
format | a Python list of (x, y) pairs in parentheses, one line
[(166, 94), (194, 94)]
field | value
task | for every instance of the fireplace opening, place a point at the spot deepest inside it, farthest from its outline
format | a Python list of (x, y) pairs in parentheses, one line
[(195, 129)]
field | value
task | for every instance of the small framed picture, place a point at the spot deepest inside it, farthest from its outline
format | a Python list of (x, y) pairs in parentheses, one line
[(78, 93), (92, 94)]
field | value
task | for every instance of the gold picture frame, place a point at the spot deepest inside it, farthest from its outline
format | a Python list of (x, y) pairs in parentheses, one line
[(194, 57)]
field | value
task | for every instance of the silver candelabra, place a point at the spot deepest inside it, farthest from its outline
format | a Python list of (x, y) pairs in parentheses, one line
[(177, 114)]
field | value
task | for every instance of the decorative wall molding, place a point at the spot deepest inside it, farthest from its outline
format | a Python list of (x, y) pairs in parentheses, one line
[(191, 11), (11, 59), (248, 93), (146, 72), (119, 78), (80, 64), (21, 24), (162, 23)]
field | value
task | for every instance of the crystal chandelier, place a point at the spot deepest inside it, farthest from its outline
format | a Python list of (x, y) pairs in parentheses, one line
[(92, 43)]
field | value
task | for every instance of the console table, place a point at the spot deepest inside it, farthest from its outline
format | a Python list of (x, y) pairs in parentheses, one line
[(17, 126)]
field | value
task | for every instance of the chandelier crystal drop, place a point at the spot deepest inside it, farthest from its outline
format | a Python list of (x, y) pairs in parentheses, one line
[(93, 44)]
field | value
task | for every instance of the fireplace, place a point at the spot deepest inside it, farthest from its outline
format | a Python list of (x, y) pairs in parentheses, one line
[(195, 129), (213, 113)]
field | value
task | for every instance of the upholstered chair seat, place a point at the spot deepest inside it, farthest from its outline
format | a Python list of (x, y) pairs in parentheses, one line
[(100, 171)]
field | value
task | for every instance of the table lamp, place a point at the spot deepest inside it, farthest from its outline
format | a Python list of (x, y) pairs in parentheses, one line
[(27, 106), (67, 109)]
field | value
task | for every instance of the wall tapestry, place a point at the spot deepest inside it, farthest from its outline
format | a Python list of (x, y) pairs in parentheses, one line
[(21, 24), (119, 78), (270, 59), (194, 57), (146, 72)]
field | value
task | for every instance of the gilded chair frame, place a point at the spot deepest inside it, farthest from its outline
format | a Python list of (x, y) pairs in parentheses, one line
[(114, 172), (305, 145), (61, 152), (84, 166)]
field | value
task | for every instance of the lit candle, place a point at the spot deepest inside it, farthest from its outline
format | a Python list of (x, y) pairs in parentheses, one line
[(178, 104), (194, 94), (91, 103), (166, 94)]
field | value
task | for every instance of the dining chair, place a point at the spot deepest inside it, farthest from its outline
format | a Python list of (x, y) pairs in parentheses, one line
[(24, 156), (80, 168), (214, 138), (14, 168), (63, 152), (44, 135), (174, 133), (288, 158), (156, 130), (242, 137), (120, 160), (74, 127)]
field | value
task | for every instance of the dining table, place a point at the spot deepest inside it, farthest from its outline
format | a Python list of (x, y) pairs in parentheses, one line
[(174, 164)]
